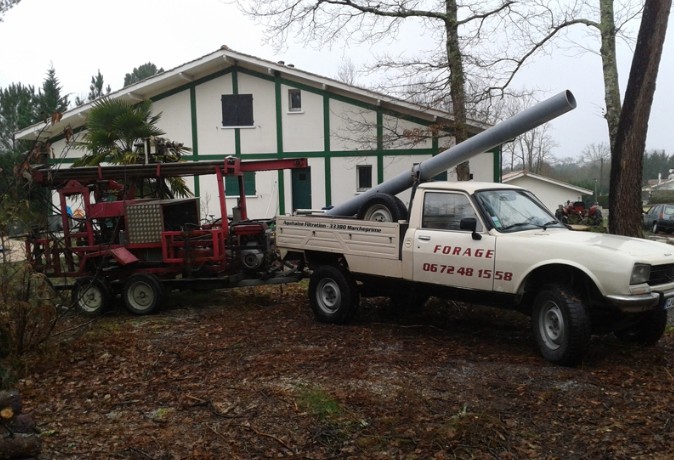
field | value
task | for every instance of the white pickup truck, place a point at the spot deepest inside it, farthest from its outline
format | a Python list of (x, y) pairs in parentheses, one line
[(490, 244)]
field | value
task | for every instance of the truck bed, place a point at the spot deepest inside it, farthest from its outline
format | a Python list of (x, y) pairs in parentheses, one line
[(364, 244)]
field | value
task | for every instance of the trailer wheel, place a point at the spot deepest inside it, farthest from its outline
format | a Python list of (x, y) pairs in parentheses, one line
[(142, 293), (91, 296), (333, 295), (647, 330), (383, 207), (561, 325)]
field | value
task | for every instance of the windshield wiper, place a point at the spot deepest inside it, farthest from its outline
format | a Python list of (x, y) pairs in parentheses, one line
[(528, 222), (517, 224)]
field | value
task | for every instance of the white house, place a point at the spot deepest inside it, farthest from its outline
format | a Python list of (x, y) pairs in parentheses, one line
[(550, 191), (229, 103)]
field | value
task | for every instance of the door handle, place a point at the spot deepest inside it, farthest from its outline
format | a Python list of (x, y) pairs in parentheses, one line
[(424, 238)]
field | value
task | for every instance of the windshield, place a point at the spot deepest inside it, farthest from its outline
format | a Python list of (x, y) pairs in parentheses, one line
[(515, 210)]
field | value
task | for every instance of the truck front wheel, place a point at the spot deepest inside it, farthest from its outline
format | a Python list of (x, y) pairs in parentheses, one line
[(333, 295), (561, 325)]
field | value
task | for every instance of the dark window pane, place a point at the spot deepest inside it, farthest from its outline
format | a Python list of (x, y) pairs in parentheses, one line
[(237, 109), (294, 100), (364, 177)]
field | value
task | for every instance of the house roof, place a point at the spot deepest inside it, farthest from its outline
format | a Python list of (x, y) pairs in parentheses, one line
[(222, 59), (511, 176), (656, 184)]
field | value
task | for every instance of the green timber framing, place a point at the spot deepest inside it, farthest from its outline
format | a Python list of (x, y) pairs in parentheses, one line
[(326, 154)]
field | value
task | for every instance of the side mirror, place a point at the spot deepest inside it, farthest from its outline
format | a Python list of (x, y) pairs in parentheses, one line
[(470, 223)]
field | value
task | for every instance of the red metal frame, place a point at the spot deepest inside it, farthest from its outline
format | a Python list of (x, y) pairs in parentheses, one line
[(79, 252)]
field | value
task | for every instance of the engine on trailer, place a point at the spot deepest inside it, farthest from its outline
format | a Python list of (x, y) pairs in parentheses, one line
[(252, 245)]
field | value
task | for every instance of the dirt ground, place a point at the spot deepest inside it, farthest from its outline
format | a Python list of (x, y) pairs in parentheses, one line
[(249, 374)]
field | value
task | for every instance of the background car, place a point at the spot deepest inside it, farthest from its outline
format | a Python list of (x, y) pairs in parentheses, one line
[(660, 217)]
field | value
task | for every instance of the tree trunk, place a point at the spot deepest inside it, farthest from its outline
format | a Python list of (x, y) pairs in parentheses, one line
[(627, 159), (609, 63), (457, 81)]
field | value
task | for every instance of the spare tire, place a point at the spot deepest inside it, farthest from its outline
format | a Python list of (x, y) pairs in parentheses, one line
[(382, 207)]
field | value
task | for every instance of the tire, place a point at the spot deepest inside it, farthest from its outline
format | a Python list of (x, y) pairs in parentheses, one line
[(333, 295), (91, 296), (143, 294), (560, 325), (647, 330), (655, 229), (382, 207)]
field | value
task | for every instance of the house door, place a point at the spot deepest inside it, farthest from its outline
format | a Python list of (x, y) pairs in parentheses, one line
[(301, 188)]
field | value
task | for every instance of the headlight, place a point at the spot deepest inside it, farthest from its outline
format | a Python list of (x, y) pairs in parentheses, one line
[(640, 274)]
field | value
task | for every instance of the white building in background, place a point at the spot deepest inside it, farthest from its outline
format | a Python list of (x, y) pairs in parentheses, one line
[(229, 103), (550, 191)]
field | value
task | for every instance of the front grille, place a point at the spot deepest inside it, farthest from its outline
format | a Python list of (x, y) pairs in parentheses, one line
[(661, 274)]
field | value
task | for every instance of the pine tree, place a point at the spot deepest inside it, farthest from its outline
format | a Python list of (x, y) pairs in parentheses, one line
[(17, 111), (49, 99)]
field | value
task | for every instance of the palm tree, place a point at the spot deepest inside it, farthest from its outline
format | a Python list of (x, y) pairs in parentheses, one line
[(118, 133)]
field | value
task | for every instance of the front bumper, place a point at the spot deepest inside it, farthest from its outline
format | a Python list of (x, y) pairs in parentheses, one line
[(641, 303)]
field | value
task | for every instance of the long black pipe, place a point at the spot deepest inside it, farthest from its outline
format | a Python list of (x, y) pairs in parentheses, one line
[(496, 135)]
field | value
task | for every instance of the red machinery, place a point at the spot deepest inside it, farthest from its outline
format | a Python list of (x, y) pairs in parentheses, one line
[(142, 247)]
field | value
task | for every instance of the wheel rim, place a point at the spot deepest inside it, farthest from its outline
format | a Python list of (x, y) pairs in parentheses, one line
[(379, 214), (551, 326), (90, 299), (140, 295), (329, 296)]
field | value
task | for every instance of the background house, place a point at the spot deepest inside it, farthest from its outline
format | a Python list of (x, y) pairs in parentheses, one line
[(550, 191), (658, 190), (229, 103)]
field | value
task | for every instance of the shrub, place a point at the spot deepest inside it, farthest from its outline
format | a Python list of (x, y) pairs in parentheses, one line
[(28, 315)]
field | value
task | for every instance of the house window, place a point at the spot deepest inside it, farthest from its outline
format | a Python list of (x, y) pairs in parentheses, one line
[(294, 100), (232, 184), (237, 109), (364, 177)]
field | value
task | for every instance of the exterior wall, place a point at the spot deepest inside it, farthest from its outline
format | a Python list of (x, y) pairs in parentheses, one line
[(176, 117), (482, 167), (352, 127), (213, 139), (303, 131), (262, 137)]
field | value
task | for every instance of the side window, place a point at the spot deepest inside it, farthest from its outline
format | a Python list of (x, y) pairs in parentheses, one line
[(445, 210), (294, 100), (364, 177), (237, 110)]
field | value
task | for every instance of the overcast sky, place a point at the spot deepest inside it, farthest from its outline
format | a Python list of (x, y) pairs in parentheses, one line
[(79, 37)]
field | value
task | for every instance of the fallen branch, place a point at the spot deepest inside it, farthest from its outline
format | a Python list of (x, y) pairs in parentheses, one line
[(270, 436)]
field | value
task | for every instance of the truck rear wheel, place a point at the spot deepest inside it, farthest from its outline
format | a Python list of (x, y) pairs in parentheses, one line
[(333, 295), (561, 325), (382, 207), (91, 296), (142, 293), (647, 330)]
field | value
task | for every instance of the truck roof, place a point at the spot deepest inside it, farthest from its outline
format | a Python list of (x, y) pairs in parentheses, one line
[(467, 186)]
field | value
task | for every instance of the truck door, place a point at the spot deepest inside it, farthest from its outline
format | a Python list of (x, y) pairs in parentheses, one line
[(446, 255)]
